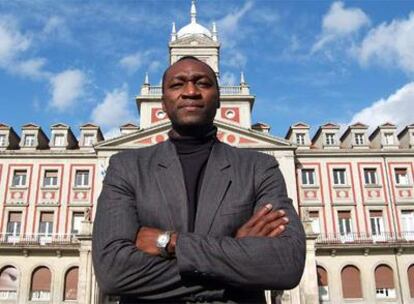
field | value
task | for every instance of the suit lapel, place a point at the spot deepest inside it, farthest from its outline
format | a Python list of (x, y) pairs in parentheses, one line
[(215, 184), (170, 180)]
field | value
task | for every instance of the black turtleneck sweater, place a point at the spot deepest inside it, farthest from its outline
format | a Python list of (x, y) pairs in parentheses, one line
[(193, 152)]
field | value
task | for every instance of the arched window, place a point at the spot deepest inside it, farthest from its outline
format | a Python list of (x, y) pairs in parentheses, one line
[(384, 282), (9, 282), (322, 283), (351, 282), (71, 284), (40, 287), (410, 273)]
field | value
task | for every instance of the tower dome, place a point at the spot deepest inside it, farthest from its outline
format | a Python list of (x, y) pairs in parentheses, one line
[(193, 28)]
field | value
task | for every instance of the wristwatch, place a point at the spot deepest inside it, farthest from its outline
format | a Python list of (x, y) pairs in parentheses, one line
[(162, 242)]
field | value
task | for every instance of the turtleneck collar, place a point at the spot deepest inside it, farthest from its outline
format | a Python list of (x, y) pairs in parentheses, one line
[(190, 143)]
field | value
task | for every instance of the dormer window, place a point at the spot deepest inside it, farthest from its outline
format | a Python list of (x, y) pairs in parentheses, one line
[(389, 138), (330, 139), (29, 140), (88, 139), (59, 140), (2, 140), (359, 138), (300, 138)]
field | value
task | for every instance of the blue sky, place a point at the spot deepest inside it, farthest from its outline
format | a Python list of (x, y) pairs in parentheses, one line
[(313, 61)]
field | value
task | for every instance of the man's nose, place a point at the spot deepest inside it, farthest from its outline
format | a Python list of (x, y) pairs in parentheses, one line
[(191, 90)]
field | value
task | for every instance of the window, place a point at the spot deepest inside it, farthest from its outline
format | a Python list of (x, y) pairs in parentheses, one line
[(308, 176), (82, 178), (29, 140), (330, 138), (40, 287), (51, 178), (401, 176), (370, 176), (339, 176), (88, 139), (389, 138), (345, 223), (314, 217), (359, 138), (59, 140), (2, 140), (351, 282), (407, 221), (77, 218), (9, 283), (71, 284), (13, 227), (384, 282), (19, 178), (322, 283), (45, 227), (300, 138), (410, 274), (377, 223)]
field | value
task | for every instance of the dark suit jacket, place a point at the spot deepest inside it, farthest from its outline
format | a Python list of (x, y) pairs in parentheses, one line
[(145, 187)]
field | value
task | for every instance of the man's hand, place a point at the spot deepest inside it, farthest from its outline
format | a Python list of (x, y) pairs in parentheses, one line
[(264, 222), (146, 241)]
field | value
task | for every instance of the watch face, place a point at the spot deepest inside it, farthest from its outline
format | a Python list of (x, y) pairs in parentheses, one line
[(163, 240)]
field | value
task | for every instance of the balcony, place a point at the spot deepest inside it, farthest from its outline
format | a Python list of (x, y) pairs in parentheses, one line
[(365, 239), (151, 90), (38, 240)]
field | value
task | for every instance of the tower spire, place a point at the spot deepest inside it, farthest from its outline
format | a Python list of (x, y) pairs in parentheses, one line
[(193, 12), (146, 80), (173, 32), (214, 31)]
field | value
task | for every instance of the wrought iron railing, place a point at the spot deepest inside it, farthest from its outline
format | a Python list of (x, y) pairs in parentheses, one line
[(365, 238), (38, 239)]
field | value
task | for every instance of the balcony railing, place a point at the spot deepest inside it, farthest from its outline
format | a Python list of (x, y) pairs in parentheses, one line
[(364, 238), (38, 239), (224, 90)]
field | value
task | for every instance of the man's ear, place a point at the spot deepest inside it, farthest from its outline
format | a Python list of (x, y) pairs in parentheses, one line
[(163, 105)]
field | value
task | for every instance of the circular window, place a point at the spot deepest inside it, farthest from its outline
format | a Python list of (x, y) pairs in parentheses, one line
[(230, 114), (160, 114)]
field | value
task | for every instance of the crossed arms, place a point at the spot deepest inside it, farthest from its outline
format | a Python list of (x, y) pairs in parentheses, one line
[(265, 253)]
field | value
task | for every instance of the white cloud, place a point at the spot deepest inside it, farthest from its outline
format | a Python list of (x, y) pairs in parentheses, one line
[(131, 63), (340, 22), (229, 24), (33, 68), (228, 78), (57, 27), (236, 59), (113, 111), (12, 42), (389, 44), (67, 87), (397, 108)]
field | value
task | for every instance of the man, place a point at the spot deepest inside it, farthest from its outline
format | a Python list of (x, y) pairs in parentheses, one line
[(192, 219)]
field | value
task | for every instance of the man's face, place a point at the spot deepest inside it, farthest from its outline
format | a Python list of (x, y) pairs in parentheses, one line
[(190, 95)]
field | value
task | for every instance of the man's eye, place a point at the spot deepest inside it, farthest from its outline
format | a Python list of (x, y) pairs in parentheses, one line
[(176, 85), (203, 84)]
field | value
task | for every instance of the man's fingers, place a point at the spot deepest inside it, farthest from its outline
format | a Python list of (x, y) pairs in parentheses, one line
[(270, 227), (265, 219), (278, 231), (262, 212)]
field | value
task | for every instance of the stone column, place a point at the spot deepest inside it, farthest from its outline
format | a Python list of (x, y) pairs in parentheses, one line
[(85, 267), (309, 293)]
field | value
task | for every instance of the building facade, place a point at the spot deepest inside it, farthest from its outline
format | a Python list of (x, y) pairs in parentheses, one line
[(354, 192)]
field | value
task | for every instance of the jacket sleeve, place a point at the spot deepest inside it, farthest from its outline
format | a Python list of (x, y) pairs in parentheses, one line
[(256, 262), (120, 268)]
